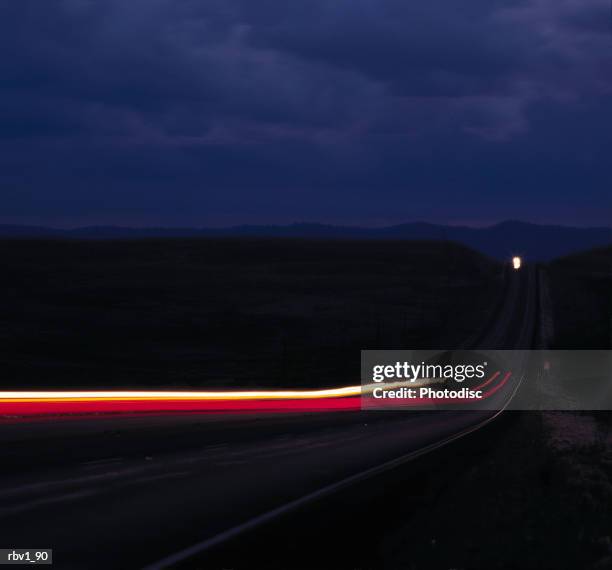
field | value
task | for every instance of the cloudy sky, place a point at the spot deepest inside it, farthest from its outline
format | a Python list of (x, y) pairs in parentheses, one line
[(219, 112)]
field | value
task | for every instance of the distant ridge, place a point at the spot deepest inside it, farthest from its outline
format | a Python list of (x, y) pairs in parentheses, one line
[(535, 242)]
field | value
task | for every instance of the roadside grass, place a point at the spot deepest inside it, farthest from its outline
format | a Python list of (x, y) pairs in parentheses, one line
[(581, 293), (228, 312)]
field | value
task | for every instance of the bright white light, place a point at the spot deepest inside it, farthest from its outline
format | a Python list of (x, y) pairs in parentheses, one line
[(516, 262)]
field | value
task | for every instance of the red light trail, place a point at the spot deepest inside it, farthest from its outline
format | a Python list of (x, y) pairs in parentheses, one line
[(20, 404)]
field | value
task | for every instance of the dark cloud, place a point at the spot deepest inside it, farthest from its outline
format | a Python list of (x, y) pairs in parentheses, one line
[(165, 111)]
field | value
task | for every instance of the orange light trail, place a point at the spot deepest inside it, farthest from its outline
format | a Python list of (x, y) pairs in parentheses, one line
[(55, 403)]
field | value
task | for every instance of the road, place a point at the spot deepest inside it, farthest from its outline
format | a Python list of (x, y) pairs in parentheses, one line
[(132, 492)]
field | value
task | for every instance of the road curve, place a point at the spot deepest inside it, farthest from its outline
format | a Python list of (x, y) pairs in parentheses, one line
[(150, 491)]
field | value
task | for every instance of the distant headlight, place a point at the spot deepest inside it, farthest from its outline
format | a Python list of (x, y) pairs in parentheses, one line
[(516, 262)]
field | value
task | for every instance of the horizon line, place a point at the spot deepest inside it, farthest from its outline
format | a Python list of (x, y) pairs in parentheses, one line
[(295, 224)]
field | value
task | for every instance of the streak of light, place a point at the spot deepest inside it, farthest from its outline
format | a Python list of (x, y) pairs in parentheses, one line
[(17, 404), (110, 395)]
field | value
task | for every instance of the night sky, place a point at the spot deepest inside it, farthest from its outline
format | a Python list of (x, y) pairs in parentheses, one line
[(370, 112)]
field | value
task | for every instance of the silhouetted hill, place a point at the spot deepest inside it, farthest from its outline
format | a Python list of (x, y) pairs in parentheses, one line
[(535, 242)]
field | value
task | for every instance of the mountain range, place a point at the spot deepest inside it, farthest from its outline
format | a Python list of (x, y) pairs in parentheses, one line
[(533, 241)]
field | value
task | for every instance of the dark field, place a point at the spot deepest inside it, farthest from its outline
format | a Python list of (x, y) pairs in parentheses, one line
[(229, 312), (581, 291)]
